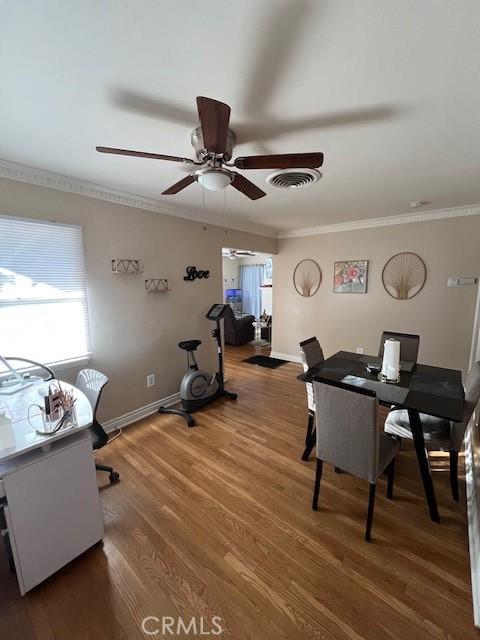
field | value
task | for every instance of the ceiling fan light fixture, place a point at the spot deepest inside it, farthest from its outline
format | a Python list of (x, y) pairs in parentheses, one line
[(214, 179)]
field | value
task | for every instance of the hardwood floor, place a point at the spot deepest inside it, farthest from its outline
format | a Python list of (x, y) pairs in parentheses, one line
[(217, 521)]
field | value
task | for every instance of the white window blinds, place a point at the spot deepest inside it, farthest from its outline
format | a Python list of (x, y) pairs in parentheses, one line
[(43, 299)]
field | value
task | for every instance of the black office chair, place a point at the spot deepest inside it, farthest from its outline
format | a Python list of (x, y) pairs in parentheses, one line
[(91, 382)]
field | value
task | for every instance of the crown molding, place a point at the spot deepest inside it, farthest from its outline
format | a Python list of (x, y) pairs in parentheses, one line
[(42, 178), (387, 221)]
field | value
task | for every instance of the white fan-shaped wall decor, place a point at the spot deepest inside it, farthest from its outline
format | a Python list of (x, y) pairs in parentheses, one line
[(307, 278), (404, 275)]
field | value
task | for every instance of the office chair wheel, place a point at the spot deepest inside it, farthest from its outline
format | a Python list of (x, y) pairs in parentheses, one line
[(114, 477)]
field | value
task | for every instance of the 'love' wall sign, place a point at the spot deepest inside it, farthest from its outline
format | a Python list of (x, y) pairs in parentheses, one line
[(193, 274)]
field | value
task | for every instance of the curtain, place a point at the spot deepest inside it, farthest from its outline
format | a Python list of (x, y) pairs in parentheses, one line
[(251, 278)]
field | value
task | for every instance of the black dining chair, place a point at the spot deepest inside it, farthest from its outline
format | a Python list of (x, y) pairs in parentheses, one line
[(348, 438), (91, 383), (409, 344), (312, 354), (441, 435)]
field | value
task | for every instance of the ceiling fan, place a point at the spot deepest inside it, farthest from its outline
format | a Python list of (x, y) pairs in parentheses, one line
[(213, 142), (232, 254)]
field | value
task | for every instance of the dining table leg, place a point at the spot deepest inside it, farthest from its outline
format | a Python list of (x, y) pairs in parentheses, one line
[(419, 442)]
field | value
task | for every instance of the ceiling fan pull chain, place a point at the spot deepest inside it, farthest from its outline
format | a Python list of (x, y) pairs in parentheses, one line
[(225, 210)]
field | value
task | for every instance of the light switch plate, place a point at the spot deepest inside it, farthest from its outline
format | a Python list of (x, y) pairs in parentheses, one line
[(457, 281), (151, 380), (453, 282)]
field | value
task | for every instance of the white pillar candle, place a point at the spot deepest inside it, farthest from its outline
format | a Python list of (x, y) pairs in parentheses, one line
[(391, 359)]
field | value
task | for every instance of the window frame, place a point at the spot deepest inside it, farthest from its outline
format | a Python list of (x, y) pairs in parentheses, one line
[(74, 361)]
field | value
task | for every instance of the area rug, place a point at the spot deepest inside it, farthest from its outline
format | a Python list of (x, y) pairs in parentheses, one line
[(265, 361)]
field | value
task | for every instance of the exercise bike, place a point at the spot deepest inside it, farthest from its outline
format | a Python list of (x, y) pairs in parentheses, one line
[(198, 388)]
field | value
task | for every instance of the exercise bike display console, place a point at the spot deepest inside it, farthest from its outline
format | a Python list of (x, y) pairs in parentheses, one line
[(198, 388), (216, 312)]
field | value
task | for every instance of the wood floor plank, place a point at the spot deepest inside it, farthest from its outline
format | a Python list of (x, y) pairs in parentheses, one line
[(217, 520)]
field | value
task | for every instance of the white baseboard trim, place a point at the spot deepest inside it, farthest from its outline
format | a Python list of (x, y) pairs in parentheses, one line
[(285, 356), (138, 414), (473, 522)]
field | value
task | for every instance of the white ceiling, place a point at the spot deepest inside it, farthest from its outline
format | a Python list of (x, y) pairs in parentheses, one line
[(389, 90)]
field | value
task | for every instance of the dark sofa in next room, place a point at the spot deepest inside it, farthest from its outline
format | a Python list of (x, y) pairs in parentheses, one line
[(238, 330)]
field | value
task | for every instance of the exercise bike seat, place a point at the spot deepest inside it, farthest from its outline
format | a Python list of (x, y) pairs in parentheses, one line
[(189, 345)]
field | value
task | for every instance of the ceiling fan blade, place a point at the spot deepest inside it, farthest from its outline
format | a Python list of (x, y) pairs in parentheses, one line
[(214, 118), (246, 187), (142, 154), (281, 161), (178, 186)]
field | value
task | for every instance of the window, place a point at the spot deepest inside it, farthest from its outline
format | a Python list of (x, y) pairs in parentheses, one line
[(43, 298)]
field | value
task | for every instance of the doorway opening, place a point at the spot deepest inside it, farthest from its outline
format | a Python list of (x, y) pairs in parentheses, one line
[(248, 290)]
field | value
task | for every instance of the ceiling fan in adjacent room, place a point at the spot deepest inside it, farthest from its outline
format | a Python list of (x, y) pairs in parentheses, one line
[(232, 254), (213, 142)]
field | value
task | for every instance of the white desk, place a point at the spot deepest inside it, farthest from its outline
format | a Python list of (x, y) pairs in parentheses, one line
[(19, 436), (47, 486)]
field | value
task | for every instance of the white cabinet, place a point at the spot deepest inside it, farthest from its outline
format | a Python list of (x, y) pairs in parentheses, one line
[(53, 509)]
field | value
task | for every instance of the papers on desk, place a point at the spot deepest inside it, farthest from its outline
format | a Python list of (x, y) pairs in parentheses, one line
[(7, 438), (14, 388)]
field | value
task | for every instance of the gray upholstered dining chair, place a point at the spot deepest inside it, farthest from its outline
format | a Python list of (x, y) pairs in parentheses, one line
[(441, 435), (409, 344), (348, 438), (312, 354)]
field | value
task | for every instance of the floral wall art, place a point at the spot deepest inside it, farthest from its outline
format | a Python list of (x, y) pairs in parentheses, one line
[(350, 276)]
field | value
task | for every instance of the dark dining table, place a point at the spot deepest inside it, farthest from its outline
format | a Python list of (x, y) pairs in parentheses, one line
[(422, 389)]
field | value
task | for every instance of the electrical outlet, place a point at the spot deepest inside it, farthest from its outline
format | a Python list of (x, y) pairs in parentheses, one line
[(151, 380), (359, 349)]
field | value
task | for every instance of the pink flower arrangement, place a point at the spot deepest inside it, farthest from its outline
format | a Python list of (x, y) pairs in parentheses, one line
[(350, 276), (353, 273)]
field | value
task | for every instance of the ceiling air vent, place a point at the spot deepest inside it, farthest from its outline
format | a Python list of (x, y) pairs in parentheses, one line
[(293, 178)]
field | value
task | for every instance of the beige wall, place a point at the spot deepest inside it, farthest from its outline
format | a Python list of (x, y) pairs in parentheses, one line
[(442, 316), (135, 333)]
